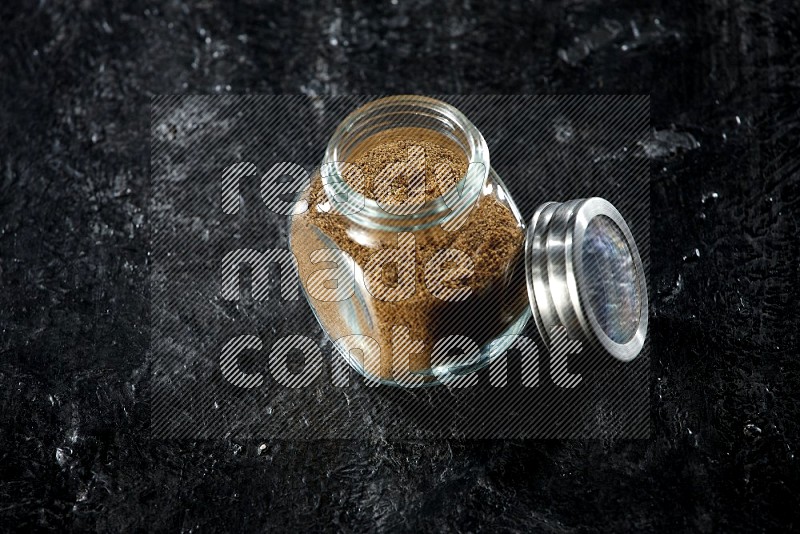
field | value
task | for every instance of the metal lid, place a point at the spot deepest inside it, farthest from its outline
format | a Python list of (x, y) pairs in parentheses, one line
[(584, 274)]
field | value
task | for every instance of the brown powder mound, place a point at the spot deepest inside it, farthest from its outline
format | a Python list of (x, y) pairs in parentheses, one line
[(394, 168), (490, 235)]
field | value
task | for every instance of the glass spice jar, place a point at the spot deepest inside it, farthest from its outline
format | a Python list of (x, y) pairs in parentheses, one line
[(417, 263)]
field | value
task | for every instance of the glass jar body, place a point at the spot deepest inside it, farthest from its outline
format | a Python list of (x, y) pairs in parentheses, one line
[(420, 306)]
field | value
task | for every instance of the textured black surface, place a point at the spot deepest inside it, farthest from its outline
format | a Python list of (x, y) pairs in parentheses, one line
[(75, 86)]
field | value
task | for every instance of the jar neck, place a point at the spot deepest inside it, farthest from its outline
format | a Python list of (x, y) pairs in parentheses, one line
[(393, 113)]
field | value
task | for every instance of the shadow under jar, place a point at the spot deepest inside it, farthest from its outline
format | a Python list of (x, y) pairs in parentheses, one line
[(409, 247)]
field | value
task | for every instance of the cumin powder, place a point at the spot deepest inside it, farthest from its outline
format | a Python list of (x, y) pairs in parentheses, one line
[(490, 236)]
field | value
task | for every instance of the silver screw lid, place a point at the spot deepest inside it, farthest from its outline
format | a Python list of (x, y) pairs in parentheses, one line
[(584, 274)]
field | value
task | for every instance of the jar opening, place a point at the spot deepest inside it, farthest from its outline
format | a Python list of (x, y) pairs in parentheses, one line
[(406, 117)]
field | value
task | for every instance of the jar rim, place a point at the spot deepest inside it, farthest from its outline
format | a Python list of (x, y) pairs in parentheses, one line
[(384, 114)]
